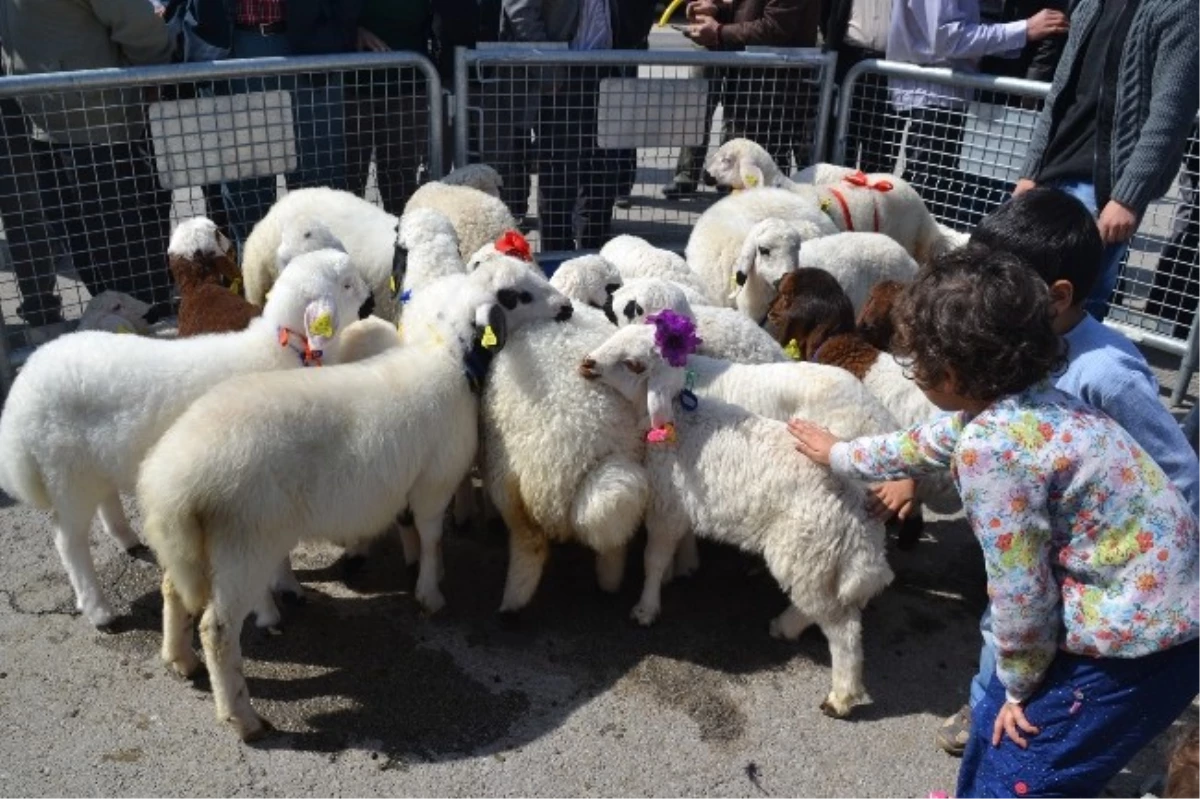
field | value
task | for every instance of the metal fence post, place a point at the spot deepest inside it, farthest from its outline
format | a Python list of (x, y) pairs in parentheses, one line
[(462, 96), (1187, 364), (828, 72)]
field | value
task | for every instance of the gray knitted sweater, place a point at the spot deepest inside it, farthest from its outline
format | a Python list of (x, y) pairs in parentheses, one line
[(1157, 82)]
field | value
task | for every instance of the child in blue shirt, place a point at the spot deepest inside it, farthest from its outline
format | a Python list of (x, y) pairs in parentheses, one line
[(1054, 234), (1091, 552)]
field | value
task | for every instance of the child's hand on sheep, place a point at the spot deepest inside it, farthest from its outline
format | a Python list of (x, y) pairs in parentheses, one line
[(815, 441), (894, 498)]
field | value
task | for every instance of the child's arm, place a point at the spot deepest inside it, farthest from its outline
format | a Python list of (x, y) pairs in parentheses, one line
[(922, 449)]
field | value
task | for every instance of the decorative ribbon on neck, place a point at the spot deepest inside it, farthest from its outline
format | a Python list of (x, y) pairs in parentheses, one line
[(860, 180), (661, 435), (513, 244), (298, 344)]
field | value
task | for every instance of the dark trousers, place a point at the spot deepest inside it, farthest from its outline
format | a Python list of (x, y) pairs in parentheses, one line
[(501, 136), (1177, 276), (107, 199), (387, 116), (689, 167), (874, 130), (577, 181), (25, 227)]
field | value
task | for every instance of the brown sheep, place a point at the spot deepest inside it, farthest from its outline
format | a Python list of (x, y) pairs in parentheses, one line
[(875, 319), (205, 269)]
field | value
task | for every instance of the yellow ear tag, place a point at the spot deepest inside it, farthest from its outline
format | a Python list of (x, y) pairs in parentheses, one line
[(124, 329), (825, 205), (751, 181), (792, 350), (733, 286), (235, 286), (322, 325), (489, 339), (392, 283)]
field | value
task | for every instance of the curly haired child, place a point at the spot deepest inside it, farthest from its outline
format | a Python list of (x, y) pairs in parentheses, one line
[(1091, 552)]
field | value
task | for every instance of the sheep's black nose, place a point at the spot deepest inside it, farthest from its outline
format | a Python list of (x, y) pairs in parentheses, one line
[(740, 277), (587, 369), (565, 313)]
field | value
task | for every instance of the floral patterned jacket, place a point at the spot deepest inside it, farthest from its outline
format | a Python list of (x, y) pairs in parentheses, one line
[(1088, 545)]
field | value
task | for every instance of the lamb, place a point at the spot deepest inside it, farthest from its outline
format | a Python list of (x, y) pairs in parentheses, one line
[(367, 232), (733, 476), (724, 333), (881, 203), (590, 280), (874, 321), (429, 248), (204, 266), (115, 312), (86, 408), (478, 217), (774, 247), (812, 314), (719, 234), (562, 459), (395, 431), (637, 258)]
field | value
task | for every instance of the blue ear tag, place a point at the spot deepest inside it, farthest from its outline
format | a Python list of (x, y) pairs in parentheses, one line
[(687, 398), (405, 296)]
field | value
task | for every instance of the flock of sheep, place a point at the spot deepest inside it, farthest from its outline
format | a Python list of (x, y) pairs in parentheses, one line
[(635, 387)]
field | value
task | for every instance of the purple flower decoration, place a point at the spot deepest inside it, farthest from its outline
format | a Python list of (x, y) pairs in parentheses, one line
[(674, 335)]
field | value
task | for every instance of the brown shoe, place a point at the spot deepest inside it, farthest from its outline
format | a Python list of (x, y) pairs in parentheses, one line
[(955, 731)]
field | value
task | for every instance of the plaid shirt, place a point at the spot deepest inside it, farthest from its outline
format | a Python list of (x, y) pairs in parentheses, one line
[(259, 12)]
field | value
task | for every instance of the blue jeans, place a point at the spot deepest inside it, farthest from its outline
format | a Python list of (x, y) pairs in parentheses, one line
[(319, 118), (987, 659), (1106, 283), (1191, 427), (1094, 715)]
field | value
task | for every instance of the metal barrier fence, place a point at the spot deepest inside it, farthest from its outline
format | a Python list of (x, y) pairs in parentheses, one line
[(576, 134), (97, 167), (961, 140)]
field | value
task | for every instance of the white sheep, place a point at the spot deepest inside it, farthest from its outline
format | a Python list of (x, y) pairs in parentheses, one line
[(429, 248), (86, 408), (734, 476), (364, 230), (115, 312), (562, 459), (336, 455), (857, 260), (724, 332), (478, 176), (878, 203), (637, 258), (716, 240), (478, 217), (590, 280)]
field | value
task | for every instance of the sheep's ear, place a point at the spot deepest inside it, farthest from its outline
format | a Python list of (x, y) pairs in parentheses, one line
[(320, 322), (752, 176), (661, 389), (744, 265), (492, 325)]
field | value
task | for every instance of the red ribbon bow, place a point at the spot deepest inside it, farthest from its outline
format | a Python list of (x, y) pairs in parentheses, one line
[(514, 244), (860, 178)]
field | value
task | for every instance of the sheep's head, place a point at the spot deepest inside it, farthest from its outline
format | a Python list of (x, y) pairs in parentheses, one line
[(520, 293), (319, 293), (742, 164), (478, 176), (875, 322), (810, 308), (770, 250), (115, 312), (302, 235), (421, 225), (199, 253), (645, 363), (644, 297), (590, 279)]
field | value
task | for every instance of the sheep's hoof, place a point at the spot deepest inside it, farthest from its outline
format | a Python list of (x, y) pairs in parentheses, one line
[(258, 729), (143, 553), (839, 708), (102, 617), (644, 615), (191, 670), (431, 601), (832, 711)]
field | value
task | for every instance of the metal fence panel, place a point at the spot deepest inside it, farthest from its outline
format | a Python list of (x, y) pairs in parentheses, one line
[(97, 167), (594, 144), (961, 141)]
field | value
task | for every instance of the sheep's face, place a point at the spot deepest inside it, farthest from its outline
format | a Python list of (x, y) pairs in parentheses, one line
[(771, 250), (644, 296), (875, 320), (522, 294), (809, 308), (200, 253), (631, 363), (117, 313), (742, 164), (319, 293), (589, 279)]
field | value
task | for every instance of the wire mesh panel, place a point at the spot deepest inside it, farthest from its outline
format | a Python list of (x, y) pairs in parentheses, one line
[(595, 144), (96, 168), (961, 141)]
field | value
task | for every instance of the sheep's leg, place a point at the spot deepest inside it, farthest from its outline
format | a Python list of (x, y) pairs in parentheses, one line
[(660, 549), (687, 556), (844, 634), (610, 568), (285, 583), (527, 554), (220, 632), (177, 649), (429, 528), (112, 516), (71, 524), (266, 612), (790, 624), (410, 542)]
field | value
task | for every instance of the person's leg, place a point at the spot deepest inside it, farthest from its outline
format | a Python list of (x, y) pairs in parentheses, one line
[(1191, 427), (602, 173), (1177, 274), (955, 731), (360, 134), (1094, 715), (318, 104), (559, 154), (934, 145)]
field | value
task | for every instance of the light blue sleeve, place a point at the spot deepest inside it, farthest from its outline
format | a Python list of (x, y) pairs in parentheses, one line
[(953, 32)]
